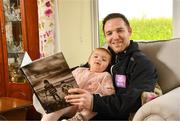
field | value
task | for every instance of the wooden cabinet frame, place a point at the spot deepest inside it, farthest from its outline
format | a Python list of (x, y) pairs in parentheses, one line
[(30, 37)]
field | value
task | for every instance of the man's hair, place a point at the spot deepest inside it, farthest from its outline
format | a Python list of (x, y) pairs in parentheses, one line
[(115, 15)]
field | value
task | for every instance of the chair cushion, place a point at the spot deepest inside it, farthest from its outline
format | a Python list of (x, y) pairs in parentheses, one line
[(166, 57), (154, 117), (165, 107)]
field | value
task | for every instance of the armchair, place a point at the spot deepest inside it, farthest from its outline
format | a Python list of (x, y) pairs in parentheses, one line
[(166, 57)]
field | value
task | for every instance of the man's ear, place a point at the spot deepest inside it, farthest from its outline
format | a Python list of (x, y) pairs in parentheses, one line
[(130, 30)]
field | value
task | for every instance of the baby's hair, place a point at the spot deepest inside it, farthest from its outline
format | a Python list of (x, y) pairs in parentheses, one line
[(102, 49)]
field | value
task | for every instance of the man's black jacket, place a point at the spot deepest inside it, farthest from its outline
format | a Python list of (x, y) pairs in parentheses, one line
[(140, 75)]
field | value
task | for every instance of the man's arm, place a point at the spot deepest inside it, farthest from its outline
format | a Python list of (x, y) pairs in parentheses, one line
[(143, 78)]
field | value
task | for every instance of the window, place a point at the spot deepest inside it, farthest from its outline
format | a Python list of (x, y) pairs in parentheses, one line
[(149, 19)]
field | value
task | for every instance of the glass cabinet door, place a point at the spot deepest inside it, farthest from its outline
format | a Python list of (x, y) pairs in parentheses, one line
[(18, 33), (14, 40)]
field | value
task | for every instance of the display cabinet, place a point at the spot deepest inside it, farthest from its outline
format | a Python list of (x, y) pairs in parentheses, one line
[(18, 33)]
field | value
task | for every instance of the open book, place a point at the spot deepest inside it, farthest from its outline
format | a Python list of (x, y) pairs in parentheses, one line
[(50, 78)]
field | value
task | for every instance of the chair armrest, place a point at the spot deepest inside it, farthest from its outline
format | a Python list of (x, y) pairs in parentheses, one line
[(163, 108)]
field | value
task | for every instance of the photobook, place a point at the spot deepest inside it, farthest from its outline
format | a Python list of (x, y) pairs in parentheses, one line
[(50, 78)]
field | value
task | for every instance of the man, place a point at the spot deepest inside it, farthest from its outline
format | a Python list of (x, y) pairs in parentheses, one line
[(132, 74)]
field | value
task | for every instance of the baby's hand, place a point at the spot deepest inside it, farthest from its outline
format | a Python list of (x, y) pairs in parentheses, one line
[(151, 96), (148, 96)]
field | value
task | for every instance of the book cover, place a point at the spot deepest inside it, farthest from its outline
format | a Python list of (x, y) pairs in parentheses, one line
[(50, 78)]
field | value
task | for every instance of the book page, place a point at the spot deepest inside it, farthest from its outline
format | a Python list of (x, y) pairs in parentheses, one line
[(50, 78), (26, 59)]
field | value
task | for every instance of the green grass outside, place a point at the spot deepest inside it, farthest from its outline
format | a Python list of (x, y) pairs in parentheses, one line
[(147, 29)]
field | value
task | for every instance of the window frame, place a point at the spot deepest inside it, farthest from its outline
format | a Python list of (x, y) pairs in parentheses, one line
[(95, 21)]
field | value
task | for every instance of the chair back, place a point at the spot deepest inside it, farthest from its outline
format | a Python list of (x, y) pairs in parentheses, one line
[(166, 57)]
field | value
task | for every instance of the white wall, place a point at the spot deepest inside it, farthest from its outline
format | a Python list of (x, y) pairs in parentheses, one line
[(75, 30), (176, 18)]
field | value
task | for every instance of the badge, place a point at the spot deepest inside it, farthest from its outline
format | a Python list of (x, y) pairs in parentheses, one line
[(120, 81)]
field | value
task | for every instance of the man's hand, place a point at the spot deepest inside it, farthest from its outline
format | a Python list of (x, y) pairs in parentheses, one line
[(81, 98)]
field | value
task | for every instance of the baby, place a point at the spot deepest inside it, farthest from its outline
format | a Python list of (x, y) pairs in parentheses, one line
[(95, 79)]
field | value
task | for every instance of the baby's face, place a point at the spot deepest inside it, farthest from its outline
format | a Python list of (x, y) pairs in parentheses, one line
[(99, 61)]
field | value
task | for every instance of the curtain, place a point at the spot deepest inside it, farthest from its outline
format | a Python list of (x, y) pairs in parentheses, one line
[(46, 18)]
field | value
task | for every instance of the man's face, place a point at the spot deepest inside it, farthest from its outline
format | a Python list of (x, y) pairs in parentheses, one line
[(117, 34)]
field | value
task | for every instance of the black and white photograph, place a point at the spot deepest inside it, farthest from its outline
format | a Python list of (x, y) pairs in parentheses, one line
[(50, 78)]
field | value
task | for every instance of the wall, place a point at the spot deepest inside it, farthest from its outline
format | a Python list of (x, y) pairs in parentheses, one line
[(75, 30), (176, 18)]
